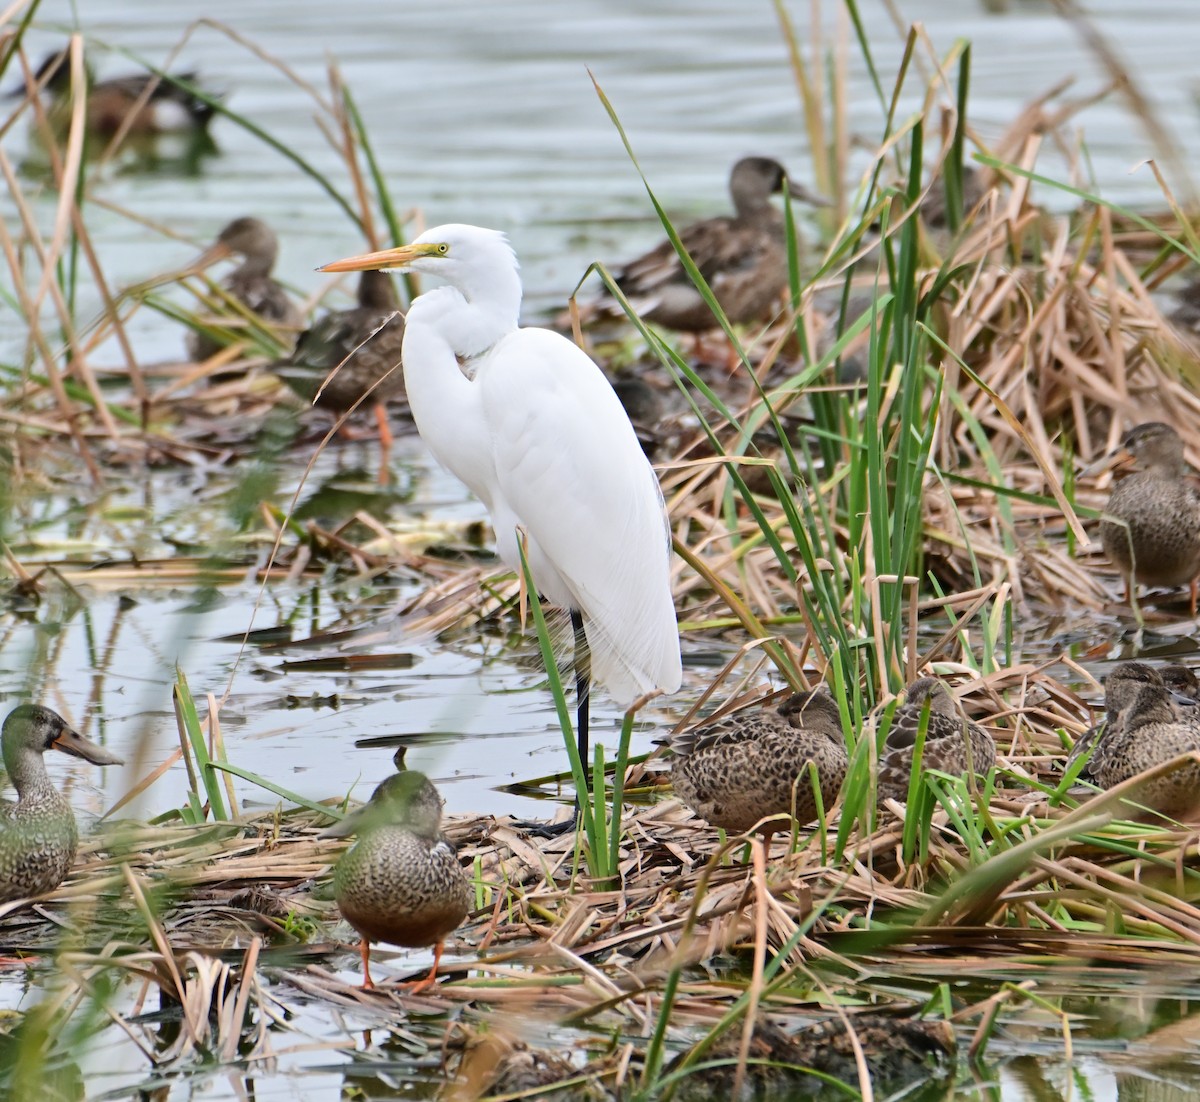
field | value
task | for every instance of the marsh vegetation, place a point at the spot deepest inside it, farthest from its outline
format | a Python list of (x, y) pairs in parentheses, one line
[(895, 473)]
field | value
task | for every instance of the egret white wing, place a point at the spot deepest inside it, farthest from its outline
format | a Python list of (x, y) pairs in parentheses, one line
[(570, 472)]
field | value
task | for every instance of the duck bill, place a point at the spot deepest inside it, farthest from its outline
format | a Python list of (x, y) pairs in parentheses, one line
[(1118, 463), (73, 743), (1122, 461), (351, 824), (386, 260), (210, 256), (812, 198)]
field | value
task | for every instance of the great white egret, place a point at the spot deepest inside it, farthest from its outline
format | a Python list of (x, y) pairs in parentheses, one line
[(531, 425)]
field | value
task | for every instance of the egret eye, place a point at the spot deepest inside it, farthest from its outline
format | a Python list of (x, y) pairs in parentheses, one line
[(443, 249)]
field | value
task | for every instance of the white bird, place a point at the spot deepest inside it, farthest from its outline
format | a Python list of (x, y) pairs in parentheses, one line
[(531, 425)]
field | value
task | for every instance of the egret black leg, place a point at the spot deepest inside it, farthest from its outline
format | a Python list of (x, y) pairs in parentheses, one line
[(583, 688)]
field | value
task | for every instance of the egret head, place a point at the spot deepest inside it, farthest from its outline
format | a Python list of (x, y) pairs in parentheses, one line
[(457, 253)]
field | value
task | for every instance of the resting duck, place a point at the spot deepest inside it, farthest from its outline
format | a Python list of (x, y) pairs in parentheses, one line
[(1145, 727), (250, 283), (952, 744), (735, 772), (345, 353), (743, 258)]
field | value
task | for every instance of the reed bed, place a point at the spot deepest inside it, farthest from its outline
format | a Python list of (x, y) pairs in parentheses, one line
[(231, 922)]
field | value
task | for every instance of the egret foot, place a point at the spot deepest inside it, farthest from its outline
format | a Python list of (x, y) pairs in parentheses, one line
[(545, 830)]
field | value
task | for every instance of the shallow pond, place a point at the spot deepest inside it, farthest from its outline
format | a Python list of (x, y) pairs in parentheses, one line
[(486, 114)]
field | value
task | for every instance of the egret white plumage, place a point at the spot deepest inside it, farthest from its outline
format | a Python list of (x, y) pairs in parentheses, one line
[(531, 425)]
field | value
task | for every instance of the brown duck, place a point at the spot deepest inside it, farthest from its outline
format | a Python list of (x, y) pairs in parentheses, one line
[(1151, 524), (743, 258), (952, 744), (38, 835), (250, 284), (1121, 686), (401, 881), (747, 766), (347, 353), (1148, 729), (141, 103)]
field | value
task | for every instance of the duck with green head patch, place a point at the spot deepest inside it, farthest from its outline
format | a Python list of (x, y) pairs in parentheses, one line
[(38, 835), (401, 881)]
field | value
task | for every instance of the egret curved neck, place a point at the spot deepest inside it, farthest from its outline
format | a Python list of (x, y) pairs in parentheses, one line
[(441, 327), (473, 316)]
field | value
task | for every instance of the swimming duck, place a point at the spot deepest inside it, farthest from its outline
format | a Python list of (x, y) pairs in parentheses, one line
[(168, 106), (1151, 728), (363, 344), (400, 882), (250, 283), (945, 749), (1151, 524), (734, 772), (743, 259), (38, 834)]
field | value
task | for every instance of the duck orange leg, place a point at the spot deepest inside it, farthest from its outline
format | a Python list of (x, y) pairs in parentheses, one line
[(417, 986), (386, 439), (364, 947), (1194, 586)]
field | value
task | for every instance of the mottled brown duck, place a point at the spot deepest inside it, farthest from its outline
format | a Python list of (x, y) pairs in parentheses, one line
[(362, 343), (401, 882), (1151, 729), (349, 358), (250, 284), (750, 765), (38, 835), (742, 258), (1121, 686), (140, 103), (953, 744), (1151, 525)]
